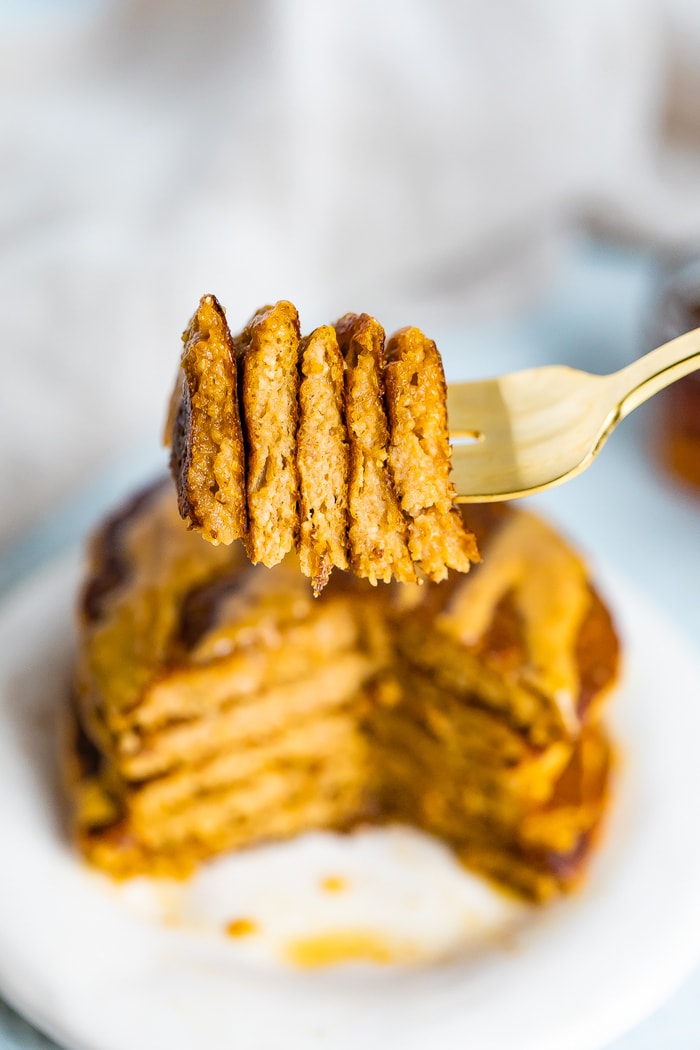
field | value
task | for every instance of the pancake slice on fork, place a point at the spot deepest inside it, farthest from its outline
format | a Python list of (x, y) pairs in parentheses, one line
[(268, 357), (322, 458), (207, 457), (377, 532), (419, 455)]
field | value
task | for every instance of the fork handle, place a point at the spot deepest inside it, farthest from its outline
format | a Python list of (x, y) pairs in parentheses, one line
[(656, 370)]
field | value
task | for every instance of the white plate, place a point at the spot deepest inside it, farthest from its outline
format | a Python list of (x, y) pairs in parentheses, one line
[(141, 966)]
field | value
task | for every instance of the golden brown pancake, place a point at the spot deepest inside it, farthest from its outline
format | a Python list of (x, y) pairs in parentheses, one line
[(204, 429), (283, 443), (378, 531), (219, 704), (322, 459), (419, 455), (268, 356)]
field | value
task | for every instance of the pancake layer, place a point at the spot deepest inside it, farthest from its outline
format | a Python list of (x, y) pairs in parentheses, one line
[(322, 459), (419, 456), (204, 429), (268, 355)]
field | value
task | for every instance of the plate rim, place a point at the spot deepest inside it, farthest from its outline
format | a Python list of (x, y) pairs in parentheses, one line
[(601, 1027)]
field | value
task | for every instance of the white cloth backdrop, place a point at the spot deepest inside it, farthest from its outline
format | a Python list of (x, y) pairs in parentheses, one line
[(405, 158)]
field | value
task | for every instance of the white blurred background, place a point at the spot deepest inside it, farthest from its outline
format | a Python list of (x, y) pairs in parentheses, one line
[(425, 162), (513, 176)]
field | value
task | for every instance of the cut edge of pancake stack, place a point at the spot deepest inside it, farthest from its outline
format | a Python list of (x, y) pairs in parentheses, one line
[(317, 444), (218, 705)]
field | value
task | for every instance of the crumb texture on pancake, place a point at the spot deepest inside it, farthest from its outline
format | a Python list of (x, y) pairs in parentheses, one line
[(217, 704), (332, 450), (322, 458), (268, 353), (204, 432), (419, 455), (377, 533)]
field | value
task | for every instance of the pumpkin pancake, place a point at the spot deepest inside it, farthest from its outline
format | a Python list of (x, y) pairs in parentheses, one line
[(378, 531), (419, 455), (268, 356), (322, 459), (217, 704), (284, 442), (204, 429)]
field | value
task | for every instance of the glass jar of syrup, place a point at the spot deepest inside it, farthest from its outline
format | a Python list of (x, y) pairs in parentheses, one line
[(679, 405)]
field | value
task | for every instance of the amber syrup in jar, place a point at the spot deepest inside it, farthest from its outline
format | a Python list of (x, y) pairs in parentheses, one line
[(679, 406)]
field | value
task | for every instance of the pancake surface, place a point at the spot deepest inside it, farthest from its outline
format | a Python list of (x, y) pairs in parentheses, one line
[(311, 460), (204, 429), (322, 458), (419, 456), (378, 531), (218, 704), (268, 355)]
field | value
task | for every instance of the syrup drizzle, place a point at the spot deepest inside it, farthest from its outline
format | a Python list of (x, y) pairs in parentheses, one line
[(548, 583)]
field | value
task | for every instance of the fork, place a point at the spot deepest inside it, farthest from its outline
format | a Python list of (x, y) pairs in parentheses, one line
[(528, 431)]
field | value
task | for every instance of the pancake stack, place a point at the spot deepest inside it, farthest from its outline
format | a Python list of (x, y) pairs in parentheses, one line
[(219, 705), (325, 444)]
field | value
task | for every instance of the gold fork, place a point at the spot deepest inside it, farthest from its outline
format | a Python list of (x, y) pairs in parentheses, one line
[(527, 431)]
